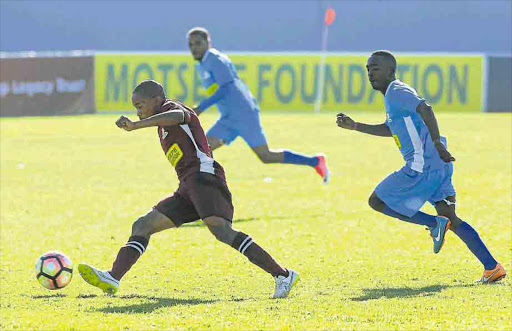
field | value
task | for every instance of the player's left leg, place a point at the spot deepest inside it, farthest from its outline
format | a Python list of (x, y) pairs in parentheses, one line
[(493, 271), (222, 230)]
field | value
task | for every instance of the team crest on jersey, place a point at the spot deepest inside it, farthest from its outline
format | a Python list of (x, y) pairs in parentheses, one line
[(174, 154), (206, 75), (388, 118)]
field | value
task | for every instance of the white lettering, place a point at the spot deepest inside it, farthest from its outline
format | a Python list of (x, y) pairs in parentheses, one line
[(32, 88), (69, 86), (4, 89)]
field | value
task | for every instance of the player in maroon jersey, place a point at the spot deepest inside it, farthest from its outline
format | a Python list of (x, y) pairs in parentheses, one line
[(202, 192)]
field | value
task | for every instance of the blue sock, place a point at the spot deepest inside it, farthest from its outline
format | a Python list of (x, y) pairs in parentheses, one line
[(295, 158), (471, 238), (419, 218), (424, 219)]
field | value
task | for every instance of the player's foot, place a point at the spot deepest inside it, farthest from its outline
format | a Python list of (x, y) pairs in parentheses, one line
[(98, 278), (285, 284), (491, 276), (438, 232), (321, 168)]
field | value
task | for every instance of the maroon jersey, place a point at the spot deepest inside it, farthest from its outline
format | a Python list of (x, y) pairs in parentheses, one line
[(186, 146)]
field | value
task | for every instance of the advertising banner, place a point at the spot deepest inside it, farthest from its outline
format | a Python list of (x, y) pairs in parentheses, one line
[(288, 81), (38, 86)]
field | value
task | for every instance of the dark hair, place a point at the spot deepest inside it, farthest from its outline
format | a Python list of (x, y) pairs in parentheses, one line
[(387, 55), (149, 89), (199, 31)]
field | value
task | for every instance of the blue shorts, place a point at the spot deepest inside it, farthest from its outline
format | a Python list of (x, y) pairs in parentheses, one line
[(247, 127), (406, 191)]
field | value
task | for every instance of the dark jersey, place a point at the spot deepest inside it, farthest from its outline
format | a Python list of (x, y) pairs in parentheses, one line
[(186, 146)]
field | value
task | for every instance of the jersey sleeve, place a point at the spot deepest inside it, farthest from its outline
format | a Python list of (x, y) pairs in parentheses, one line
[(406, 100), (220, 70), (169, 105), (187, 116), (218, 95)]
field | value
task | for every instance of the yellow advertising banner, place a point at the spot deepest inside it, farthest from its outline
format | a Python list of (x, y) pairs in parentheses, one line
[(288, 81)]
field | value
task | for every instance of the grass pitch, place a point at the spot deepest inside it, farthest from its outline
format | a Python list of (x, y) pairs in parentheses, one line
[(76, 184)]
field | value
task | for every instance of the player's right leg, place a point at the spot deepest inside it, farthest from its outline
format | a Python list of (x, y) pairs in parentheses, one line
[(284, 278), (438, 225), (142, 229), (250, 129), (493, 271), (318, 162)]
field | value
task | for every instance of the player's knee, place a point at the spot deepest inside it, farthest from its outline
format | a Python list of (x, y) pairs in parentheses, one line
[(221, 229), (221, 233), (265, 157), (455, 222), (141, 227)]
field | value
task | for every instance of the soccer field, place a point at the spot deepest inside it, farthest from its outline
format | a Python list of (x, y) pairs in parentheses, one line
[(76, 184)]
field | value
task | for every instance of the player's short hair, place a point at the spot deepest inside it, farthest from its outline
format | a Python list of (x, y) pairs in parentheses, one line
[(387, 55), (199, 31), (149, 89)]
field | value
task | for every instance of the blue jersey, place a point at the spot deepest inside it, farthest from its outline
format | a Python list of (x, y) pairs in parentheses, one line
[(409, 131), (218, 72)]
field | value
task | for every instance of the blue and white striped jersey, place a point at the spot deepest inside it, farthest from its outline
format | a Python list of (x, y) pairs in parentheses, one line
[(409, 131)]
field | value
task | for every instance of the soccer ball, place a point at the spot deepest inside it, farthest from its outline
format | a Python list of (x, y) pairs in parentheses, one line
[(54, 270)]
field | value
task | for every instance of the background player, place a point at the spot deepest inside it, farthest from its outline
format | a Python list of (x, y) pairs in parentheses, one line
[(428, 170), (239, 111), (202, 192)]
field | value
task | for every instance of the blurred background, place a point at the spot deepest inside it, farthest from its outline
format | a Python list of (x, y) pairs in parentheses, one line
[(420, 29), (277, 25)]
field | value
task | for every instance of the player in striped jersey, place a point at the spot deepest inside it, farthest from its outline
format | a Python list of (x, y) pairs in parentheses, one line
[(202, 192), (427, 174)]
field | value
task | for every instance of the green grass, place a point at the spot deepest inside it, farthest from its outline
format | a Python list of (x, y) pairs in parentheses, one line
[(76, 184)]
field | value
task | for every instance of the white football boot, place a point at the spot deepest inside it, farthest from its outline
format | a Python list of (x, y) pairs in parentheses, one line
[(98, 278), (285, 284)]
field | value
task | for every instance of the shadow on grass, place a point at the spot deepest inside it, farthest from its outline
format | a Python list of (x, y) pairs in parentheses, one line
[(86, 296), (149, 303), (200, 223), (401, 292), (49, 296)]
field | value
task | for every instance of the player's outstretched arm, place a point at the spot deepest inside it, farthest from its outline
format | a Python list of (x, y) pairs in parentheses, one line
[(168, 118), (427, 114), (345, 122), (213, 99)]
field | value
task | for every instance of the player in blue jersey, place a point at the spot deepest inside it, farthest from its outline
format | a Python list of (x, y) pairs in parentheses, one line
[(427, 174), (239, 111)]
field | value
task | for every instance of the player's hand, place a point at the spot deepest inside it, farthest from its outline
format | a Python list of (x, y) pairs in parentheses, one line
[(125, 123), (345, 122), (443, 152)]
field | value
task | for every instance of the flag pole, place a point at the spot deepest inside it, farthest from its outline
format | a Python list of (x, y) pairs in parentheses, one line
[(330, 15)]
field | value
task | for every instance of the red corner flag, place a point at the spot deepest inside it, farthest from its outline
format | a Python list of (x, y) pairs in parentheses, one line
[(330, 15)]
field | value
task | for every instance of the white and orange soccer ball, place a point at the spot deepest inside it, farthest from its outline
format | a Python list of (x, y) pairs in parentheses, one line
[(54, 270)]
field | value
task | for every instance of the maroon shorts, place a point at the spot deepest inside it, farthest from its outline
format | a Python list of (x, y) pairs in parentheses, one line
[(199, 196)]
